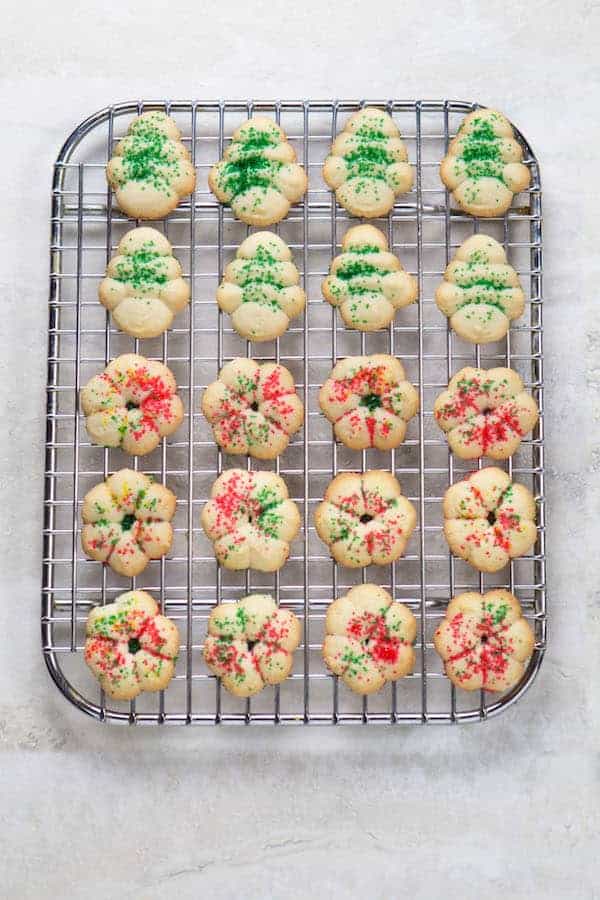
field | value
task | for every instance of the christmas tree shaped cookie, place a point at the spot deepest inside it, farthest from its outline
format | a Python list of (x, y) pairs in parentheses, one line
[(368, 164), (483, 167), (258, 175)]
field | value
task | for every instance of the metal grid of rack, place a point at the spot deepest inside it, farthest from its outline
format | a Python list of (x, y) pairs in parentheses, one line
[(424, 231)]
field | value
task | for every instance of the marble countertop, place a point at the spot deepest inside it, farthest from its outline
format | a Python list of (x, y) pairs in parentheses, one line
[(506, 807)]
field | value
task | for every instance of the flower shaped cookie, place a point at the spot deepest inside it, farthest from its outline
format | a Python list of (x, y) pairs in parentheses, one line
[(132, 404), (484, 641), (151, 170), (488, 520), (143, 287), (367, 282), (250, 520), (253, 408), (130, 647), (261, 288), (485, 413), (481, 294), (368, 164), (258, 175), (364, 519), (484, 167), (369, 401), (127, 521), (368, 638), (251, 644)]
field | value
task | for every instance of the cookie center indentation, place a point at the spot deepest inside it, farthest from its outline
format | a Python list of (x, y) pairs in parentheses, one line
[(491, 517), (254, 406), (366, 518), (127, 522), (131, 405), (371, 401), (133, 645)]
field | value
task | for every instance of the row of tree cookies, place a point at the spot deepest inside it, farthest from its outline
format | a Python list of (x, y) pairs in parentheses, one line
[(364, 519)]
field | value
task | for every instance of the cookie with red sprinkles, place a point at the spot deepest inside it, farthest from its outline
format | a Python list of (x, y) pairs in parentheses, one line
[(132, 404), (130, 647), (485, 641), (253, 408), (369, 639), (369, 401), (251, 644), (364, 519), (250, 520), (127, 521), (143, 288), (366, 282), (485, 413), (489, 519), (481, 293)]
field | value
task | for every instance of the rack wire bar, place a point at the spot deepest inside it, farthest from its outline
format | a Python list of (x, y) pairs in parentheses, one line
[(424, 231)]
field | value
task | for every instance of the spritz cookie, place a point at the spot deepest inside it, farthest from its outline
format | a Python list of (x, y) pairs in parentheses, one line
[(151, 170), (484, 641), (250, 520), (132, 404), (489, 520), (251, 644), (261, 288), (127, 521), (253, 408), (485, 413), (368, 164), (130, 647), (143, 287), (364, 519), (481, 293), (369, 401), (367, 282), (483, 167), (258, 175), (369, 639)]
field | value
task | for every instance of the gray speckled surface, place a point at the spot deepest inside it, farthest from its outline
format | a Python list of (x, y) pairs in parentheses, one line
[(510, 806)]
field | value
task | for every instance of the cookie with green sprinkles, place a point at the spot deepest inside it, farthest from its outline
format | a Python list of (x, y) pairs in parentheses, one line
[(364, 519), (484, 166), (366, 282), (127, 521), (151, 170), (130, 647), (481, 293), (484, 641), (143, 288), (369, 639), (251, 644), (258, 177), (261, 288), (368, 166), (250, 520), (489, 520)]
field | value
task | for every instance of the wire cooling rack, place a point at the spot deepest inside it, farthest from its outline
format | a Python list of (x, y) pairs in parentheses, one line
[(424, 231)]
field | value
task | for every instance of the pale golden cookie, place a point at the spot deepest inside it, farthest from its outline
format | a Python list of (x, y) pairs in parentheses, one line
[(481, 293), (364, 519), (261, 288), (369, 402), (484, 641), (488, 520), (485, 413), (484, 167), (251, 644), (143, 287), (368, 164), (367, 282), (369, 639), (250, 520), (253, 408), (258, 175), (127, 521), (132, 404), (151, 170), (130, 647)]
